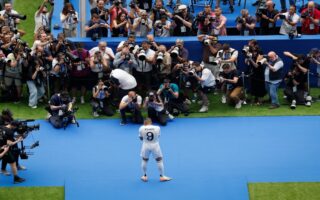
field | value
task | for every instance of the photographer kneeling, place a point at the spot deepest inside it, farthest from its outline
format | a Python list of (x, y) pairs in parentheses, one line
[(100, 100), (207, 81), (61, 110), (131, 103), (10, 148), (156, 110)]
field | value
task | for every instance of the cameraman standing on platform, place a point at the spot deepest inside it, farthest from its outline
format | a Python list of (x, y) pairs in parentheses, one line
[(131, 103), (61, 110), (182, 22), (246, 23), (310, 19), (12, 155), (96, 27), (266, 16), (103, 14), (142, 25), (289, 22)]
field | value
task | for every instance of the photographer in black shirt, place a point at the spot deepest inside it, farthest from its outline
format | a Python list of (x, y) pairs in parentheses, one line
[(182, 22), (266, 15), (155, 107)]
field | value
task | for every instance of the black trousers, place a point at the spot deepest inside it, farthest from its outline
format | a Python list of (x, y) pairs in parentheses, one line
[(136, 115), (160, 117)]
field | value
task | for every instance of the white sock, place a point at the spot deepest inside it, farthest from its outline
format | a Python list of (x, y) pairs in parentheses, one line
[(144, 166), (160, 167)]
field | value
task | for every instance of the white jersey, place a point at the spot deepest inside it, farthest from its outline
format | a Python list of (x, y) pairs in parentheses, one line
[(150, 141)]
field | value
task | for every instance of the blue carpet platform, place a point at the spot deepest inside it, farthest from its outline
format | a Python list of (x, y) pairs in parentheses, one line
[(208, 158)]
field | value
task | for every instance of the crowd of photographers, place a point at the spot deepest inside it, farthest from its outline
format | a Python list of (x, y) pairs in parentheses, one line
[(144, 18)]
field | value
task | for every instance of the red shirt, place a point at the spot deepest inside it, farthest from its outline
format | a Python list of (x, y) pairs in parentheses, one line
[(114, 13), (307, 26)]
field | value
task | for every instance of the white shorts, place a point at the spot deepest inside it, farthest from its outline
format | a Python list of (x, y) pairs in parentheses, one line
[(151, 148)]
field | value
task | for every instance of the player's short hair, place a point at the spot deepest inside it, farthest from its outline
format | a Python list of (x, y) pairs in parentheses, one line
[(147, 121)]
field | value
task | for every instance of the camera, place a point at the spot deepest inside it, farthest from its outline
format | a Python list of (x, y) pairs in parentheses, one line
[(116, 2), (159, 25), (72, 12), (127, 57), (142, 55), (134, 100), (305, 15), (143, 22), (175, 52), (282, 16), (192, 72), (207, 42), (262, 61), (22, 17), (160, 57), (200, 17), (240, 20)]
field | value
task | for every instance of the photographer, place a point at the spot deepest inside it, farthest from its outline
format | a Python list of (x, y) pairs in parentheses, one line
[(101, 100), (158, 11), (266, 16), (162, 62), (131, 103), (12, 73), (42, 17), (102, 12), (310, 19), (227, 55), (11, 17), (219, 23), (162, 27), (130, 43), (69, 19), (96, 27), (203, 20), (115, 10), (120, 26), (231, 86), (207, 82), (125, 60), (35, 81), (289, 22), (210, 47), (178, 53), (155, 108), (9, 145), (106, 52), (99, 67), (253, 56), (61, 111), (169, 93), (273, 77), (246, 23), (314, 56), (142, 25), (182, 22), (59, 74), (296, 82)]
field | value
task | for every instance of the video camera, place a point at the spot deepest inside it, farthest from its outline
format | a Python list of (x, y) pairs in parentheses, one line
[(16, 16), (23, 129), (262, 7)]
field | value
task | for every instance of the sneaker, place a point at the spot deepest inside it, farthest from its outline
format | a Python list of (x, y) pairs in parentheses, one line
[(144, 178), (171, 117), (5, 172), (165, 178), (82, 100), (308, 103), (293, 104), (95, 114), (21, 167), (122, 123), (73, 121), (238, 105), (33, 107), (48, 116), (223, 99), (18, 179), (203, 109)]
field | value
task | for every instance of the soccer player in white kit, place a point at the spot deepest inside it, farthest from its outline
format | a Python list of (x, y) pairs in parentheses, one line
[(149, 134)]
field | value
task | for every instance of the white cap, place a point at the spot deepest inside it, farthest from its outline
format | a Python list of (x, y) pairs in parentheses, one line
[(182, 7)]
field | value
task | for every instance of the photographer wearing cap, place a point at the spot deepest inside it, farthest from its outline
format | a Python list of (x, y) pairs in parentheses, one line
[(125, 60), (231, 86), (182, 22), (246, 23), (310, 19), (289, 21), (207, 84), (10, 151), (155, 107), (173, 102), (61, 110), (101, 95), (131, 103)]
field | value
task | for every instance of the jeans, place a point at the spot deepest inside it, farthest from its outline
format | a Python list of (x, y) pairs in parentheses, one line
[(36, 92), (272, 90)]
